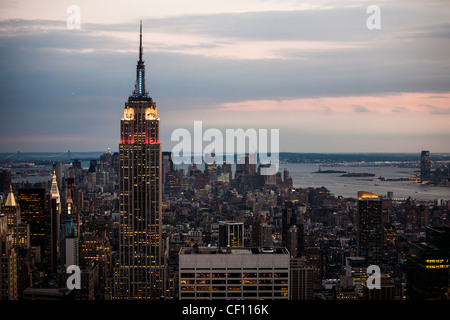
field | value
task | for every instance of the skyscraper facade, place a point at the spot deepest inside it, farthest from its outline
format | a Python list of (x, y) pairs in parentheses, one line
[(12, 212), (370, 233), (8, 262), (425, 166), (292, 229), (301, 280), (33, 211), (70, 229), (428, 266), (140, 271)]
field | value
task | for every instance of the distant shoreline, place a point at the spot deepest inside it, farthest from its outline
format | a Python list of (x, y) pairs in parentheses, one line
[(285, 157)]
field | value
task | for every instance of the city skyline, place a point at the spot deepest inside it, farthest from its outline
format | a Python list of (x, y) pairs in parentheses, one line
[(312, 69), (143, 223)]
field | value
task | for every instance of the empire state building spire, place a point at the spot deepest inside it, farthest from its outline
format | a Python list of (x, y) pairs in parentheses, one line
[(140, 44), (139, 90)]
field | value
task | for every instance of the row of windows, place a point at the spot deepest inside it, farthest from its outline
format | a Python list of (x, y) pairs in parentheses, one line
[(233, 294), (224, 281), (234, 288), (235, 275)]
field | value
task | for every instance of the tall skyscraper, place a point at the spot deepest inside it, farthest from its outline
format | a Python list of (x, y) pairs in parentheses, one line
[(140, 273), (54, 190), (5, 180), (425, 166), (33, 211), (20, 231), (292, 229), (57, 169), (70, 229), (166, 165), (428, 269), (8, 262), (301, 280), (370, 231), (12, 211)]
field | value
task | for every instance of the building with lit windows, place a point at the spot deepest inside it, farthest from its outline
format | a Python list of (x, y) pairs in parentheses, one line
[(54, 190), (20, 231), (8, 263), (244, 273), (356, 268), (140, 270), (427, 275), (70, 229), (291, 228), (385, 292), (94, 247), (301, 280), (425, 166), (34, 212), (231, 234), (370, 229)]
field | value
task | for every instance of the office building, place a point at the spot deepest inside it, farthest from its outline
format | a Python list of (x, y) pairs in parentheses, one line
[(69, 241), (8, 263), (5, 180), (54, 191), (356, 268), (261, 235), (166, 166), (20, 231), (57, 169), (385, 292), (70, 229), (292, 229), (140, 272), (244, 273), (425, 166), (95, 248), (315, 258), (33, 211), (428, 266), (346, 289), (231, 234), (301, 280), (369, 229)]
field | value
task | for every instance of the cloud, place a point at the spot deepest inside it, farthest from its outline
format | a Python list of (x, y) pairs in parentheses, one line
[(360, 109), (405, 101), (399, 109), (437, 110), (294, 62)]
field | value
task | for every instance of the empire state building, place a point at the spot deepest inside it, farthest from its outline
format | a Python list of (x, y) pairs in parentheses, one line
[(140, 270)]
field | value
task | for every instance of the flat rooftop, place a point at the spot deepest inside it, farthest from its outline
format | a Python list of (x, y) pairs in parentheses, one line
[(234, 251), (424, 246)]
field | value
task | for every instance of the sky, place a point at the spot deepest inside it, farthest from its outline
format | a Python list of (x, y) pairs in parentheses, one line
[(312, 69)]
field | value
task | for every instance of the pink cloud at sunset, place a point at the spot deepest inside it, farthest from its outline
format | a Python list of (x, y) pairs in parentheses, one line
[(423, 103)]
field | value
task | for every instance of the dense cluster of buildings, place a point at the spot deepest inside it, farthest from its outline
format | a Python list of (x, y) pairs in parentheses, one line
[(138, 227), (225, 233)]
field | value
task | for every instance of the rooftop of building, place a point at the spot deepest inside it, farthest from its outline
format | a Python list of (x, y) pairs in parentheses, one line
[(219, 250), (422, 245), (231, 222), (364, 195)]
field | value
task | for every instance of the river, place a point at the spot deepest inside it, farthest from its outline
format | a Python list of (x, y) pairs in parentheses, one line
[(303, 176)]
